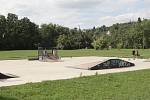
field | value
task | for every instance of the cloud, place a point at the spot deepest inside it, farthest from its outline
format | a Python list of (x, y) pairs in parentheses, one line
[(110, 20), (78, 4), (71, 13), (147, 1)]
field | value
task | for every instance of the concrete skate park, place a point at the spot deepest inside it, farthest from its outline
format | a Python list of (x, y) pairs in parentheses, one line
[(28, 71)]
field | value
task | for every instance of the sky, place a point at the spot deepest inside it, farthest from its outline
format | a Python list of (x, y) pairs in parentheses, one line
[(75, 13)]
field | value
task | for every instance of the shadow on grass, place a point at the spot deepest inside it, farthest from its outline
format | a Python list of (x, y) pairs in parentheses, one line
[(7, 98)]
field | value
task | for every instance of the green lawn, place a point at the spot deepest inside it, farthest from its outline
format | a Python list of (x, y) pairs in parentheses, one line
[(118, 86), (24, 54), (17, 54)]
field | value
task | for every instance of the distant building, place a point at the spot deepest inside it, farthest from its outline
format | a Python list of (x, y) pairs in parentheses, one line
[(108, 33)]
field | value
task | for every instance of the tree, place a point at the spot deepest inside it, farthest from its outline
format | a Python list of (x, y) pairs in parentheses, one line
[(23, 34), (11, 31), (2, 31), (28, 34), (146, 34), (62, 41), (101, 43), (139, 20)]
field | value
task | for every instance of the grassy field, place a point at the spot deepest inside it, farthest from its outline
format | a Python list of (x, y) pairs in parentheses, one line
[(118, 86), (24, 54)]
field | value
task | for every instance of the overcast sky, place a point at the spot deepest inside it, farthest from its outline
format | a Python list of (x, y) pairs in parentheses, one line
[(72, 13)]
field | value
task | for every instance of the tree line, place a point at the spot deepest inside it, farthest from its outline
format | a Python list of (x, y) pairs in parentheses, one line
[(126, 35), (22, 34)]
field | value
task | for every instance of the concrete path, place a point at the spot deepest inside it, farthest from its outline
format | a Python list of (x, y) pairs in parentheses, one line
[(36, 71)]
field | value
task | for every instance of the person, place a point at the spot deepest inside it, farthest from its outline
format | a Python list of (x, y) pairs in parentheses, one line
[(133, 53), (45, 53), (137, 53)]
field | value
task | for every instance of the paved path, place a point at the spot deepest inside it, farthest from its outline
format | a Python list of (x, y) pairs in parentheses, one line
[(36, 71)]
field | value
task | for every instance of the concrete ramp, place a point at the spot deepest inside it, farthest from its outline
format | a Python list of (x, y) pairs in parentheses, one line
[(112, 63), (107, 64), (7, 76)]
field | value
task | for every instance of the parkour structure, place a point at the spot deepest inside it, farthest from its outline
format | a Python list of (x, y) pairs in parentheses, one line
[(43, 55), (100, 65), (46, 56), (106, 64), (7, 76)]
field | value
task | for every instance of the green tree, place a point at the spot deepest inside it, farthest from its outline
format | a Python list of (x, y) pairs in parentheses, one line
[(2, 31), (101, 43)]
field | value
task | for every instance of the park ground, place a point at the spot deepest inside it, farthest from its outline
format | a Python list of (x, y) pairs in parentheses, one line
[(133, 85)]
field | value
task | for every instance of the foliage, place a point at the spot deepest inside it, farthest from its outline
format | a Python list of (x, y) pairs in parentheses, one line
[(101, 43), (20, 34)]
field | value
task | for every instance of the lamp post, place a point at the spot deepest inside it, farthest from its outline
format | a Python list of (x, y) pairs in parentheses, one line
[(109, 34), (38, 45)]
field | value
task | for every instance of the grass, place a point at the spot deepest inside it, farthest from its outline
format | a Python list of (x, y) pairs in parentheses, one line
[(24, 54), (119, 86), (17, 54)]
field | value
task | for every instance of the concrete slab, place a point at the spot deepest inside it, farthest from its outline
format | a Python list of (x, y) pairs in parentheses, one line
[(36, 71)]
